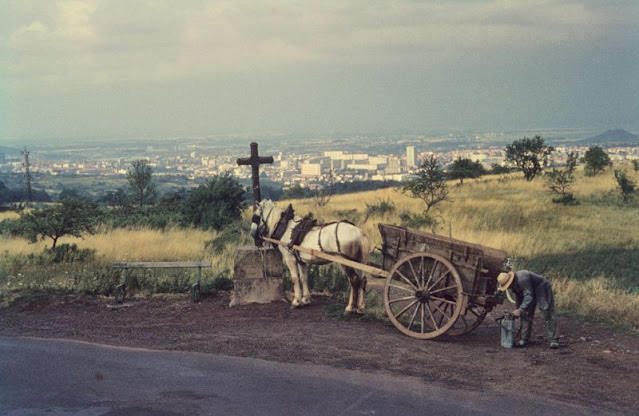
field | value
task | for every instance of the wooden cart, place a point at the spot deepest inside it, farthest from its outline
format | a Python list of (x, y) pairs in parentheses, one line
[(434, 284)]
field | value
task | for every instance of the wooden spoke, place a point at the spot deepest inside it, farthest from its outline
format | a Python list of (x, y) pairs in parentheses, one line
[(403, 288), (441, 318), (443, 300), (412, 318), (440, 311), (412, 269), (406, 308), (431, 274), (432, 318), (401, 299), (406, 279), (422, 318), (422, 273), (442, 289), (438, 280)]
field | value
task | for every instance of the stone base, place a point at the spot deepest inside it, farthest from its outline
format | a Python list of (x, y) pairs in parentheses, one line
[(257, 276)]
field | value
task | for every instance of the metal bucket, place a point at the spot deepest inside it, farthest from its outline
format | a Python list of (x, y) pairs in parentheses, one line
[(507, 329)]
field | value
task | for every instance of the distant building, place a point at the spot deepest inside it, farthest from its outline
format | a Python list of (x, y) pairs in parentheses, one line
[(411, 162), (2, 158), (311, 169), (393, 166)]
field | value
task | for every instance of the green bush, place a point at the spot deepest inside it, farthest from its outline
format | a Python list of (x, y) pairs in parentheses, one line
[(350, 215), (381, 209), (68, 253), (12, 228), (422, 220)]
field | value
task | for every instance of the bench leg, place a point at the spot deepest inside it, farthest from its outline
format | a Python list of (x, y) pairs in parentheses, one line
[(195, 292), (120, 290), (196, 288)]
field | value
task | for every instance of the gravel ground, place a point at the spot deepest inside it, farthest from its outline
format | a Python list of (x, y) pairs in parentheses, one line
[(596, 366)]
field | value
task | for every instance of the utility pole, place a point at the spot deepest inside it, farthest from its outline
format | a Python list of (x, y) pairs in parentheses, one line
[(27, 175)]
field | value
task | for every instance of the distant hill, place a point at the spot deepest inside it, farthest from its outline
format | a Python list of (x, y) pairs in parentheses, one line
[(9, 150), (613, 137)]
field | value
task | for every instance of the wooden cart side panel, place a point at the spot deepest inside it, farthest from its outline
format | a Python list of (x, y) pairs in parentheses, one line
[(470, 259)]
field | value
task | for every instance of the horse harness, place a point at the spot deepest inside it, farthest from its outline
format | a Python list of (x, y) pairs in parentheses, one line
[(301, 229)]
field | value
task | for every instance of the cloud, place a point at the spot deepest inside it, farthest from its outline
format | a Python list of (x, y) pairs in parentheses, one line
[(116, 41)]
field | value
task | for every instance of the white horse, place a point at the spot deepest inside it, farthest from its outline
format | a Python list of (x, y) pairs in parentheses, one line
[(340, 238)]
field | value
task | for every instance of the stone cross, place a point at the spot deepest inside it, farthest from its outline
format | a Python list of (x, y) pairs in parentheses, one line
[(255, 161)]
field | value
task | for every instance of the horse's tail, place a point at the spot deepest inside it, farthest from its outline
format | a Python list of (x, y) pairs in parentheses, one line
[(365, 249)]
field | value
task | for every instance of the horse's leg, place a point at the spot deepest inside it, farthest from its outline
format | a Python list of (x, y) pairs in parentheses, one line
[(291, 263), (361, 306), (303, 273), (353, 298)]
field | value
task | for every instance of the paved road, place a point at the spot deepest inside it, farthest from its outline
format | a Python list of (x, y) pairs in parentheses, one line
[(57, 377)]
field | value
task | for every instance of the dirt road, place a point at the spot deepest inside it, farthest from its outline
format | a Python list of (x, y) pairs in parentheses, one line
[(596, 367)]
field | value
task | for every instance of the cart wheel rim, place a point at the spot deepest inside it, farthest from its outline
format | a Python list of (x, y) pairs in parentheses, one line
[(472, 317), (416, 290)]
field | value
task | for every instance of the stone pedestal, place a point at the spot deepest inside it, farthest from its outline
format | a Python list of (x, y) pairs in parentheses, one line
[(257, 276)]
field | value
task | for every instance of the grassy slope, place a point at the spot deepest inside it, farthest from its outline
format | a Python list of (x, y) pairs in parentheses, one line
[(591, 251)]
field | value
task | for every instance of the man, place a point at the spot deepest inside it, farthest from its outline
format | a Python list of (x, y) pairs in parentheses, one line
[(531, 290)]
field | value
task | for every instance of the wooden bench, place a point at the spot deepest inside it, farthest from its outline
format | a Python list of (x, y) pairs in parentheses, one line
[(120, 290)]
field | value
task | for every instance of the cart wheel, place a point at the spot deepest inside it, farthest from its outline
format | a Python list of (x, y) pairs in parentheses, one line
[(416, 289), (468, 321)]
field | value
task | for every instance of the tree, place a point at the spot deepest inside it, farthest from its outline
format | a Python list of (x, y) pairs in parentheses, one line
[(118, 199), (324, 192), (560, 181), (596, 160), (430, 183), (529, 155), (465, 168), (140, 177), (70, 217), (215, 203), (296, 192), (627, 186), (496, 169)]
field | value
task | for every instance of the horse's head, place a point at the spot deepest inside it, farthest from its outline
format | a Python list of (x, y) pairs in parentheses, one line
[(260, 226)]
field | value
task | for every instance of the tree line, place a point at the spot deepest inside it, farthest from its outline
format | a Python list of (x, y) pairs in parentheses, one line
[(212, 205), (531, 156)]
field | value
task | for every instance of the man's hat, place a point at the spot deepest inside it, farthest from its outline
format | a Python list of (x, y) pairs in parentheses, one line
[(505, 280)]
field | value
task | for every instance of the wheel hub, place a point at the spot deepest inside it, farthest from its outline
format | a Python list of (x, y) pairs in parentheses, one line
[(423, 295)]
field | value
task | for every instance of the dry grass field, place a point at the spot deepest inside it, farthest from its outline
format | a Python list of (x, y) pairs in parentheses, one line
[(590, 251)]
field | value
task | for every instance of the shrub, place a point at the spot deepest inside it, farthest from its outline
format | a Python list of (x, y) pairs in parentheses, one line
[(351, 215), (68, 253), (422, 220), (381, 208), (560, 181), (627, 186)]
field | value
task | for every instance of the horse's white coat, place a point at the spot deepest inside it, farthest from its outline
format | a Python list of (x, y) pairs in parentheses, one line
[(353, 244)]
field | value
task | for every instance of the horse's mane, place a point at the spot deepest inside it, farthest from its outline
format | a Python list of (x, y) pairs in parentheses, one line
[(270, 206)]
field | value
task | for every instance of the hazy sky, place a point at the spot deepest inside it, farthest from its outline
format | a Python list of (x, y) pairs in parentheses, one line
[(130, 68)]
